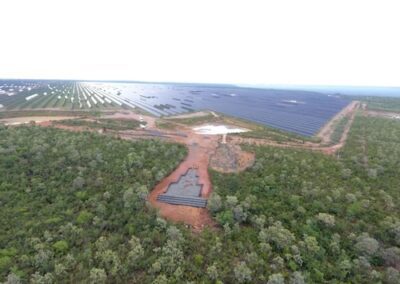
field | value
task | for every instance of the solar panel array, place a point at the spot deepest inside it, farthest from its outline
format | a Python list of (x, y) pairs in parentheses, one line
[(299, 112)]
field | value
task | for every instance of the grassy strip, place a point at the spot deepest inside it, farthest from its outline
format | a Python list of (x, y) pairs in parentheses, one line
[(162, 124), (112, 124), (196, 120), (339, 128)]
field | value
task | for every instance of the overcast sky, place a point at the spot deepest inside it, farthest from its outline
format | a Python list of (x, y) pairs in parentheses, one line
[(349, 42)]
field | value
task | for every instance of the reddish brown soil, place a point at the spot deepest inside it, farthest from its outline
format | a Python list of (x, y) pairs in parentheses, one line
[(199, 150), (229, 158)]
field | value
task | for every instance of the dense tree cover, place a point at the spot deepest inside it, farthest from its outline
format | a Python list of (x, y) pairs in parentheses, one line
[(304, 214), (73, 207), (295, 217)]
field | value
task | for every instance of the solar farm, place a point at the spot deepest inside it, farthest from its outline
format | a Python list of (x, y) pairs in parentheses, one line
[(299, 112)]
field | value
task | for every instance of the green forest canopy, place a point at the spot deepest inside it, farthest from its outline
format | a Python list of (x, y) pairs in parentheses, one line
[(73, 209)]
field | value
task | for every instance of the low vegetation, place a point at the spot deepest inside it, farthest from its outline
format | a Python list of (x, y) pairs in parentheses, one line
[(299, 213), (73, 209), (73, 205), (164, 124), (27, 113), (391, 104), (196, 120), (339, 128), (112, 124)]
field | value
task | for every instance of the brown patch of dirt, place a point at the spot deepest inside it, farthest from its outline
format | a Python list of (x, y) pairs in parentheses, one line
[(230, 158), (200, 149)]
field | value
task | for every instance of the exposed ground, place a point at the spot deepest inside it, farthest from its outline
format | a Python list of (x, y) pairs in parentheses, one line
[(200, 148), (230, 158), (207, 150)]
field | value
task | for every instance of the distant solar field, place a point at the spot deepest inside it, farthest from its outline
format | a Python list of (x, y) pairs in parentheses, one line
[(299, 112)]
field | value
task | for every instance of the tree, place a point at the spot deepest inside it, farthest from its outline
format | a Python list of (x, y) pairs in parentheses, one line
[(174, 234), (326, 219), (278, 235), (97, 276), (61, 246), (110, 261), (43, 260), (297, 278), (231, 201), (242, 272), (366, 245), (13, 279), (37, 278), (129, 198), (391, 256), (136, 251), (78, 182), (239, 215), (392, 276), (276, 278), (212, 272), (214, 203)]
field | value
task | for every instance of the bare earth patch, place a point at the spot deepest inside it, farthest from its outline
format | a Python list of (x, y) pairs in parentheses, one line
[(230, 158)]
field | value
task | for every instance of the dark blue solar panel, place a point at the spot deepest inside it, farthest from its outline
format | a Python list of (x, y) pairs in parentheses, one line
[(300, 112)]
